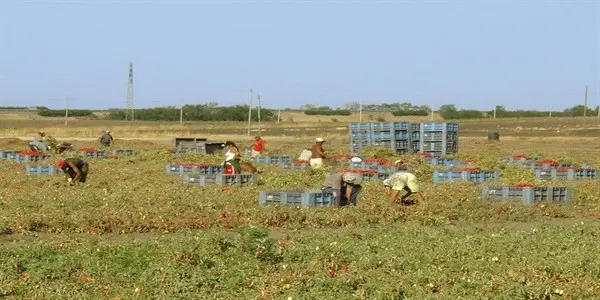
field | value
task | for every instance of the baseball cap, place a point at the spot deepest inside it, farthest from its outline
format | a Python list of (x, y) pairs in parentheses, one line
[(319, 140), (61, 163)]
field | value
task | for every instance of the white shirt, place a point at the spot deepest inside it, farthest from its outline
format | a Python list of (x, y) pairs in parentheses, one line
[(229, 155)]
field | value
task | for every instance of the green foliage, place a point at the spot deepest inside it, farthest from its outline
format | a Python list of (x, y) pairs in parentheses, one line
[(61, 113), (417, 112), (327, 112), (450, 112), (201, 112)]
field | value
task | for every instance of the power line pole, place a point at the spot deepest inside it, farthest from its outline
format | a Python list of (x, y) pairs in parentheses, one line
[(259, 124), (129, 112), (495, 107), (585, 102), (249, 112), (360, 111), (181, 113), (279, 115), (66, 110)]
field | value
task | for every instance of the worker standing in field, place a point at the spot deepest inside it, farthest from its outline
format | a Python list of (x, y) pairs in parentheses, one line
[(106, 139), (318, 154), (259, 146), (232, 159), (402, 181), (344, 186), (75, 169)]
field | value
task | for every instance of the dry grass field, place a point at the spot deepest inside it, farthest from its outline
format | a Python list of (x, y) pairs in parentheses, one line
[(134, 232)]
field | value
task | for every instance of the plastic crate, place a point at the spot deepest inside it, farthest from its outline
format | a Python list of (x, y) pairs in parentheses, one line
[(439, 127), (359, 126), (42, 170), (529, 195), (124, 152), (447, 162), (365, 166), (93, 154), (434, 136), (199, 179), (200, 169), (471, 176), (536, 166), (9, 154), (401, 135), (402, 145), (566, 174), (384, 135), (273, 159), (235, 179), (26, 158), (438, 147), (382, 143), (295, 198)]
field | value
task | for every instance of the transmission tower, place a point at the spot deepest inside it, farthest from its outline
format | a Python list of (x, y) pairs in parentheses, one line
[(129, 110)]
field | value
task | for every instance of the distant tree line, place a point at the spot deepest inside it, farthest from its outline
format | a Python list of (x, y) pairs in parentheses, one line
[(200, 112), (61, 113), (450, 112)]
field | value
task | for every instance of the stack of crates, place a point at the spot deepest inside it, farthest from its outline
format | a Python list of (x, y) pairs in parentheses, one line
[(295, 198), (394, 135), (529, 195), (9, 154), (437, 139)]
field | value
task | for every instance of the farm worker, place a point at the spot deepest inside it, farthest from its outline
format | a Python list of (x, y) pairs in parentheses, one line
[(318, 154), (75, 169), (259, 146), (232, 159), (402, 181), (106, 139), (344, 186)]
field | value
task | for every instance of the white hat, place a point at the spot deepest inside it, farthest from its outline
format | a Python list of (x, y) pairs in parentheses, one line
[(398, 162), (356, 159), (319, 140)]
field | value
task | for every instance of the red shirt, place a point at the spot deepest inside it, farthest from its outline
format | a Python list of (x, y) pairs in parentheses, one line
[(259, 145)]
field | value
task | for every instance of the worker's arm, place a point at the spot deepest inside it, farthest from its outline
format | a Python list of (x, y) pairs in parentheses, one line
[(393, 195), (348, 192), (320, 151), (76, 170)]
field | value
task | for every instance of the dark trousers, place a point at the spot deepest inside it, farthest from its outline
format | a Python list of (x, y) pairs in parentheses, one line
[(340, 195)]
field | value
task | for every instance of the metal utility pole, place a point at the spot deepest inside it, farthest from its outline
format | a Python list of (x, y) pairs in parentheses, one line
[(360, 111), (249, 112), (432, 111), (279, 115), (585, 102), (181, 113), (66, 110), (129, 112), (259, 124)]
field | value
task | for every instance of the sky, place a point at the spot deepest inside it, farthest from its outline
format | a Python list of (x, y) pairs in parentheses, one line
[(474, 54)]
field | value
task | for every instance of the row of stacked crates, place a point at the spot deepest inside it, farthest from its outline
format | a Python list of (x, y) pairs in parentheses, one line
[(437, 139), (548, 169)]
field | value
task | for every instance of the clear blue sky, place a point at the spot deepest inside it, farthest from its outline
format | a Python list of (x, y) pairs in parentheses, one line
[(521, 54)]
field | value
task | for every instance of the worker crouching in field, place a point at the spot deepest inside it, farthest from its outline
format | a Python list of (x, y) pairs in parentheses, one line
[(232, 159), (402, 181), (75, 169), (344, 186), (106, 139), (318, 154), (258, 147)]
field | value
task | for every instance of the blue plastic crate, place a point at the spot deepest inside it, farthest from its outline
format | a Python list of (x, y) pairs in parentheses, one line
[(440, 176), (439, 127), (402, 126), (402, 135), (9, 154), (401, 145), (364, 165), (42, 170), (536, 166), (124, 152), (199, 179), (382, 143), (93, 154), (27, 158), (235, 179), (382, 135), (438, 148), (359, 126), (295, 198), (273, 159), (567, 174), (529, 195), (447, 162), (382, 126), (395, 169)]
